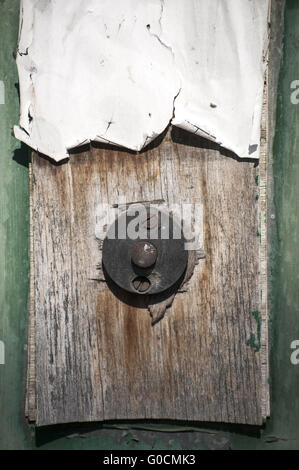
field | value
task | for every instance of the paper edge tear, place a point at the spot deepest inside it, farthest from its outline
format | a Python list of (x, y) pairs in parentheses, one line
[(24, 135)]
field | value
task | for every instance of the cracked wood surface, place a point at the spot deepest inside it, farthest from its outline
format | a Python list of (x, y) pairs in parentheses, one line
[(97, 355)]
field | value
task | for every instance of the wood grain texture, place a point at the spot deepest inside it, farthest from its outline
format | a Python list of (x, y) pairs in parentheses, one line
[(98, 357), (30, 396)]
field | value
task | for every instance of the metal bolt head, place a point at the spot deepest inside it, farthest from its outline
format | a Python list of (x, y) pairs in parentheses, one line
[(144, 254), (141, 284)]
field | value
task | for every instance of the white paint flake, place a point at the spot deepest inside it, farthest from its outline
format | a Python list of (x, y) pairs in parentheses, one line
[(119, 71)]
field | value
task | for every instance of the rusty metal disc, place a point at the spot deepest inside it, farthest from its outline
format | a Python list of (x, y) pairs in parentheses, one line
[(152, 262)]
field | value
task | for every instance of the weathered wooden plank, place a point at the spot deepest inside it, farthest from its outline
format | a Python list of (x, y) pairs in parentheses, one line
[(14, 223), (99, 357)]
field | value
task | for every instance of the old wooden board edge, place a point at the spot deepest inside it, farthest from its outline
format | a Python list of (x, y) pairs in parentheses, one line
[(264, 340), (263, 207)]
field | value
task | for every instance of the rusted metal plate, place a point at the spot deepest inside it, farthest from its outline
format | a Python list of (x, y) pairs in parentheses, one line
[(144, 261)]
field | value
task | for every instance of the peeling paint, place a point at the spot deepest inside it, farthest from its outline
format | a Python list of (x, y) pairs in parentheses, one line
[(120, 75)]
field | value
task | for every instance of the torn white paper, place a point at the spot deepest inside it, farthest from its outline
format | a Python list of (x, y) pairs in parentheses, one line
[(119, 71)]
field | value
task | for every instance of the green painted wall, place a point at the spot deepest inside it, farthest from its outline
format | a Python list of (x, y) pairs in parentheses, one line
[(14, 218), (282, 430)]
